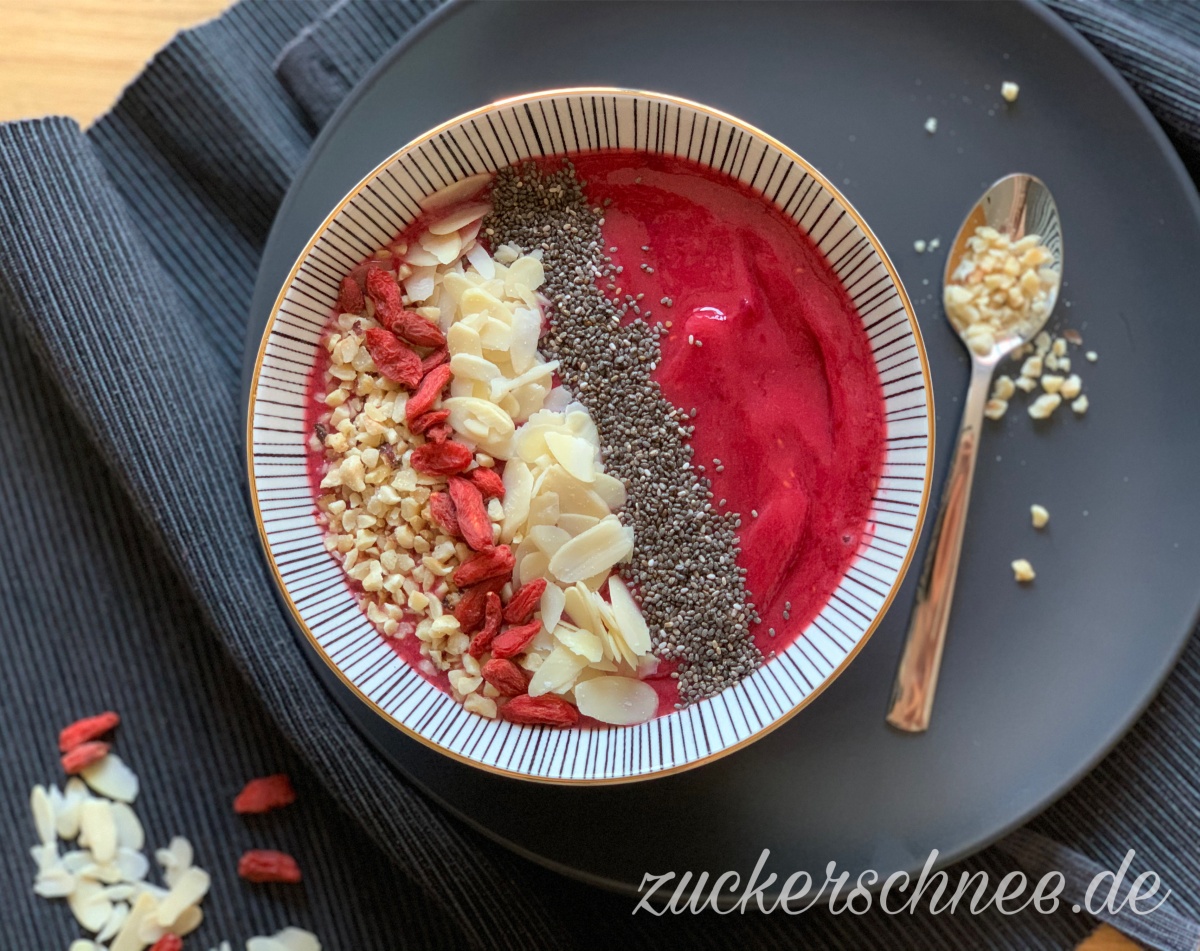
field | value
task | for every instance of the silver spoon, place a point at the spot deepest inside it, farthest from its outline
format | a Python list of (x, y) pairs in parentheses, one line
[(1016, 205)]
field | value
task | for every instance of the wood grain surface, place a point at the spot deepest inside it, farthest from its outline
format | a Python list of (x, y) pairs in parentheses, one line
[(73, 57)]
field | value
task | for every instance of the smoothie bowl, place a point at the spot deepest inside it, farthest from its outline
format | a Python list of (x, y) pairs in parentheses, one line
[(590, 436)]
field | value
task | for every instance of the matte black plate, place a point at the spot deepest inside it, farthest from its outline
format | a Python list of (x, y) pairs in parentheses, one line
[(1039, 681)]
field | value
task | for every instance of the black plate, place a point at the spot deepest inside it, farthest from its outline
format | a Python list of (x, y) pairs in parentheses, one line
[(1039, 681)]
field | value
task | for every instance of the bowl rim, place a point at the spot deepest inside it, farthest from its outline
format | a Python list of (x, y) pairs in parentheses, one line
[(927, 383)]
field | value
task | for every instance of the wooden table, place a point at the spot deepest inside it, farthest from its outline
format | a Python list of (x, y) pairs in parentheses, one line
[(73, 57)]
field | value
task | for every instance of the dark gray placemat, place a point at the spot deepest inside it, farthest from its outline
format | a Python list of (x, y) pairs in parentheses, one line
[(126, 260)]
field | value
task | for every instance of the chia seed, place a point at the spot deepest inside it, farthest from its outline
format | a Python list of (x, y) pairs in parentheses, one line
[(684, 564)]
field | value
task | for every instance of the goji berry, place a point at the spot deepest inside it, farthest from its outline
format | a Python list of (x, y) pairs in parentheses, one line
[(546, 710), (439, 432), (168, 942), (494, 563), (89, 728), (393, 359), (515, 640), (491, 626), (469, 612), (473, 522), (435, 359), (265, 865), (350, 297), (488, 482), (506, 677), (423, 422), (264, 794), (384, 292), (412, 327), (427, 393), (441, 508), (440, 458), (84, 755), (521, 605)]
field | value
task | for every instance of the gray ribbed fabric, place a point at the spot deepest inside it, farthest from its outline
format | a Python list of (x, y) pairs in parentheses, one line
[(131, 575)]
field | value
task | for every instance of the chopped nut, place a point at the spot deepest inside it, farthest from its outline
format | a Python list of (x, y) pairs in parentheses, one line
[(931, 125), (1040, 515), (1032, 367), (1091, 356), (1071, 387), (1023, 570), (1026, 384), (1080, 405), (1052, 383), (1003, 388), (1045, 405), (1010, 91), (995, 408)]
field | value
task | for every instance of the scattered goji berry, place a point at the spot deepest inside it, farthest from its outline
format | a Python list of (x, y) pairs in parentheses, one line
[(435, 359), (515, 640), (493, 615), (427, 393), (266, 865), (494, 563), (350, 297), (84, 755), (264, 794), (439, 432), (488, 482), (423, 422), (441, 508), (440, 458), (546, 710), (89, 728), (473, 522), (383, 290), (521, 605), (168, 942), (393, 359), (469, 612), (412, 327), (506, 677)]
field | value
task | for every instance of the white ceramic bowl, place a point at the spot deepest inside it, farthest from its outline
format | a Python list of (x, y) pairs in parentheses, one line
[(381, 205)]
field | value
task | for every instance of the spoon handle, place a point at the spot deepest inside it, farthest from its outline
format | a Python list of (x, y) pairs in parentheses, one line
[(916, 679)]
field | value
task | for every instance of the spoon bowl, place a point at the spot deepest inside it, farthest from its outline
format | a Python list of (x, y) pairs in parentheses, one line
[(1017, 206)]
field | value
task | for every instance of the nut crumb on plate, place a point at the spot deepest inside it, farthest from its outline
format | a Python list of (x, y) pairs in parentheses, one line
[(1010, 91), (1040, 515), (1023, 570)]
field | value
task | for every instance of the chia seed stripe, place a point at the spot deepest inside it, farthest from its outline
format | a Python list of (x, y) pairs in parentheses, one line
[(684, 566)]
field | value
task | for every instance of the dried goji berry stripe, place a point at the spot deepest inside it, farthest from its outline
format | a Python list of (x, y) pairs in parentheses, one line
[(84, 755), (473, 521), (434, 359), (168, 942), (521, 605), (488, 482), (491, 626), (440, 458), (412, 327), (266, 865), (505, 676), (515, 640), (264, 794), (547, 710), (350, 297), (441, 508), (426, 420), (494, 563), (393, 359), (469, 612), (88, 728), (427, 393)]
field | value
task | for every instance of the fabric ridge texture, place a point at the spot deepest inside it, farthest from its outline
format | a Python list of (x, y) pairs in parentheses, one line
[(132, 577)]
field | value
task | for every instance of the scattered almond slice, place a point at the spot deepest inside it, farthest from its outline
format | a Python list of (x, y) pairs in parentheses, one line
[(112, 778), (629, 619), (575, 455), (557, 673), (128, 938), (191, 887), (43, 814), (621, 701), (459, 218), (98, 831), (116, 919), (130, 834), (597, 549), (89, 905), (552, 604), (462, 190)]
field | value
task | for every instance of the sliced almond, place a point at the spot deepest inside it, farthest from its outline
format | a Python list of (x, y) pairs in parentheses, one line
[(191, 887), (54, 883), (130, 834), (98, 831), (581, 608), (552, 604), (621, 701), (573, 523), (549, 538), (579, 641), (116, 918), (417, 256), (610, 489), (526, 330), (544, 510), (112, 778), (133, 866), (419, 285), (574, 454), (468, 366), (128, 938), (628, 617), (445, 247), (526, 272), (43, 814), (89, 905), (518, 485), (481, 260), (459, 218), (532, 567), (557, 673), (462, 190), (297, 939)]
